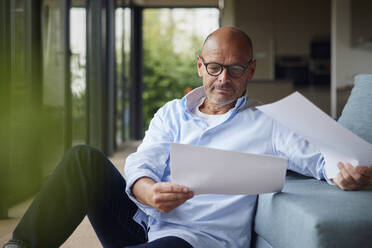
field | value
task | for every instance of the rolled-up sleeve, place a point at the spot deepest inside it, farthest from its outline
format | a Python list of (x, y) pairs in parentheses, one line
[(150, 159)]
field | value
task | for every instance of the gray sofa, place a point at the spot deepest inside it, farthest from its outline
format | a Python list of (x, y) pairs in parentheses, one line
[(311, 213)]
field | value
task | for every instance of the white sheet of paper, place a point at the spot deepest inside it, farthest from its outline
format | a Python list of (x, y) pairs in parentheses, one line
[(335, 142), (213, 171)]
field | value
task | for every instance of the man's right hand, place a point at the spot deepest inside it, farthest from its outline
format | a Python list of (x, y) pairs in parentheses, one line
[(164, 196)]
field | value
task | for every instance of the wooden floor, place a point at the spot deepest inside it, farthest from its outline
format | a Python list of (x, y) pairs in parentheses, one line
[(84, 235)]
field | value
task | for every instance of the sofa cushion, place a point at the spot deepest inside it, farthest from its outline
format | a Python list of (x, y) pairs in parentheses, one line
[(311, 213), (357, 113), (260, 242)]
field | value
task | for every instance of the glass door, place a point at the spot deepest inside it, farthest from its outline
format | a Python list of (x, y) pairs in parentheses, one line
[(78, 72), (55, 78)]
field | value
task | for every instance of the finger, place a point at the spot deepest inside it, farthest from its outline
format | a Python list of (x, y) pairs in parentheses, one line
[(171, 197), (168, 207), (347, 176), (346, 181), (340, 166), (340, 181), (364, 170), (168, 187), (365, 181), (336, 181), (357, 177)]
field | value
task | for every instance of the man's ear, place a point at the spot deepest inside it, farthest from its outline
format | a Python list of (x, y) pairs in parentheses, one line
[(252, 69), (199, 63)]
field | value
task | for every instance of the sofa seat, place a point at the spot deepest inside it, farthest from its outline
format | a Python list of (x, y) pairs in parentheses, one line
[(311, 213)]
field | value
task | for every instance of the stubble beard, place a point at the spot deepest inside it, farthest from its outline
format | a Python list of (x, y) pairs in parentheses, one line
[(215, 101), (219, 102)]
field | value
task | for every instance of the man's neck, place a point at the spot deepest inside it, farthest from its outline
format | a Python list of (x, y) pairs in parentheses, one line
[(210, 108)]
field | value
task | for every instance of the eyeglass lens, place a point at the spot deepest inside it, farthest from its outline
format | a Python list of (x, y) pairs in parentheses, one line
[(234, 70)]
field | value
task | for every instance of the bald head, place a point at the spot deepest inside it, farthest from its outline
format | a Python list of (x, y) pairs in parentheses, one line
[(226, 65), (228, 36)]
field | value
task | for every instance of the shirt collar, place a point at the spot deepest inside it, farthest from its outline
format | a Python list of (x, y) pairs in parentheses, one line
[(193, 98)]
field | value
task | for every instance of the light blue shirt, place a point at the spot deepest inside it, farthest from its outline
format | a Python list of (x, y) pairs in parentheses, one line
[(212, 220)]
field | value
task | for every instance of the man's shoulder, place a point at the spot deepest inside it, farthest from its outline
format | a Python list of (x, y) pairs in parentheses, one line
[(175, 103), (173, 106)]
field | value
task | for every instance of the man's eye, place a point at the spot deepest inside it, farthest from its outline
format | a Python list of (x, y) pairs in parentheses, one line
[(214, 68), (236, 69)]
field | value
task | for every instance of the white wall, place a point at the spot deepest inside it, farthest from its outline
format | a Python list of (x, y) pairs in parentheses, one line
[(346, 61), (227, 17), (283, 27), (296, 23), (255, 17)]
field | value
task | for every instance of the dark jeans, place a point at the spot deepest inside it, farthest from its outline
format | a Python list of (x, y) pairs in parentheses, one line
[(85, 183)]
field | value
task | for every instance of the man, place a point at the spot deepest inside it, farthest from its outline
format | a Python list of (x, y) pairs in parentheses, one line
[(147, 210)]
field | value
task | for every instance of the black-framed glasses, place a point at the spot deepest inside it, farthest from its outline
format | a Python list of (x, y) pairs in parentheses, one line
[(235, 70)]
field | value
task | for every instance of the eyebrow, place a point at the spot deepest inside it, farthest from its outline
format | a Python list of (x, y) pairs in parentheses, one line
[(248, 63)]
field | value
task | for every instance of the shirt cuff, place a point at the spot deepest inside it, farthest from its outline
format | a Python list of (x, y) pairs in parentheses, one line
[(329, 181), (130, 180)]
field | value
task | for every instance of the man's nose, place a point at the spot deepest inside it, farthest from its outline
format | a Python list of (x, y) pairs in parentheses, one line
[(224, 76)]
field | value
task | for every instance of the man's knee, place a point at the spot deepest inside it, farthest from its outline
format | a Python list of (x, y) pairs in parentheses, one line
[(85, 155), (83, 150)]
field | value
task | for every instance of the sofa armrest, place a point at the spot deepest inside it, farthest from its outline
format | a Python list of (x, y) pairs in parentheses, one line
[(311, 213)]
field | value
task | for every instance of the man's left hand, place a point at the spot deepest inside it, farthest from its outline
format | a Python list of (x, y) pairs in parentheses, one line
[(352, 178)]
